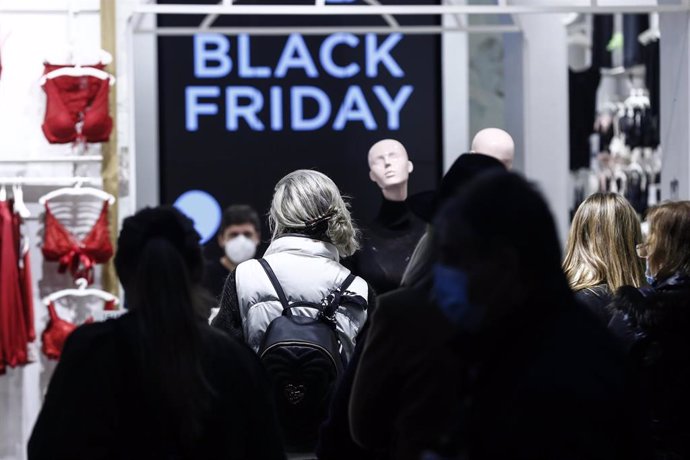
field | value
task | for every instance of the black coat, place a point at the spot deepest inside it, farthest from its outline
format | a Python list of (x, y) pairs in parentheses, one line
[(654, 324), (95, 407), (597, 299), (549, 382), (403, 391)]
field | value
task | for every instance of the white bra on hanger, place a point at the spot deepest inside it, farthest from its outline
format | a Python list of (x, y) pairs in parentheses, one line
[(81, 291)]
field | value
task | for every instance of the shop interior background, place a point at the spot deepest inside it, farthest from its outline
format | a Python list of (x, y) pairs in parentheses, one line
[(516, 80)]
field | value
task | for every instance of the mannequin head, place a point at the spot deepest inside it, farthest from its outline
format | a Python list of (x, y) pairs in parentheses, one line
[(495, 143), (390, 168)]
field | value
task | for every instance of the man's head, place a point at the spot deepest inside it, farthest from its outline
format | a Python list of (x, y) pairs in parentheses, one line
[(240, 232), (497, 240), (389, 165), (495, 143)]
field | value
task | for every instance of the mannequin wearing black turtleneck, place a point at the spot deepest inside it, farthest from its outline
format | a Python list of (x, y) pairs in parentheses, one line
[(387, 244)]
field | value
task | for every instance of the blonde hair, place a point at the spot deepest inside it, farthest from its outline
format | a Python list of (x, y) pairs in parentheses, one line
[(601, 244), (306, 198), (669, 239)]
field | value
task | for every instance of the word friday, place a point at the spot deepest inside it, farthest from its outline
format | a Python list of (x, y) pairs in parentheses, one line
[(248, 106)]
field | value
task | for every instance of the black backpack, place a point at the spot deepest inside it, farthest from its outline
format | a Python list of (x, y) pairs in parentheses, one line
[(304, 359)]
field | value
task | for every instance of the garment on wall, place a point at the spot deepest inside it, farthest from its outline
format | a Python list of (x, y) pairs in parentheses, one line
[(582, 89), (57, 330), (16, 305), (387, 245), (77, 107), (650, 54), (633, 26), (78, 256)]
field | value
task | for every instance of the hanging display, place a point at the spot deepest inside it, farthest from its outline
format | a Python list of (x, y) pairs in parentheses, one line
[(16, 305), (58, 330), (77, 103)]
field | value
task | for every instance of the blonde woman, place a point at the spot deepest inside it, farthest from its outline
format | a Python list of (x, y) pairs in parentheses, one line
[(311, 229), (600, 253)]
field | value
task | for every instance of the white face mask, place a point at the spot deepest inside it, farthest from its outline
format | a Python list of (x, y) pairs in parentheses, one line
[(239, 249)]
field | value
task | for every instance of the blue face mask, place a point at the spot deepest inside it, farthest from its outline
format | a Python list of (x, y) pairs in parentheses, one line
[(450, 291), (648, 273)]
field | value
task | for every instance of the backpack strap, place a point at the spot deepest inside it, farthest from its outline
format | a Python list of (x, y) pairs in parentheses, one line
[(330, 309), (348, 281), (274, 281)]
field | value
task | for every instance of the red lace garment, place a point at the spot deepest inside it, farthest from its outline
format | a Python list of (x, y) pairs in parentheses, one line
[(57, 330), (71, 100), (60, 245)]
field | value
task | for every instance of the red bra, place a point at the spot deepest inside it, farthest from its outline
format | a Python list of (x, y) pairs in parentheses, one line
[(60, 245), (74, 99), (56, 332)]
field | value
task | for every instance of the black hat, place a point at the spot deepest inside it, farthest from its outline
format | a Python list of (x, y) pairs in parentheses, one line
[(468, 166)]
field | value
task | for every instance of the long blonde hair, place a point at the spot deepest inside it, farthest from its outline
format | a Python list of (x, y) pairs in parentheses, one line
[(601, 244)]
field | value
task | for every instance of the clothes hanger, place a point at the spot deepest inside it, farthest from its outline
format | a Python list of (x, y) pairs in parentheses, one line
[(19, 205), (652, 34), (78, 71), (81, 291), (78, 190)]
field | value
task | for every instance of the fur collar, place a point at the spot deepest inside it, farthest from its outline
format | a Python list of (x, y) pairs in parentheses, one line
[(664, 306)]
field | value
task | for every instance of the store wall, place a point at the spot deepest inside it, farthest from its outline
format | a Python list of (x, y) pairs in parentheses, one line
[(22, 108)]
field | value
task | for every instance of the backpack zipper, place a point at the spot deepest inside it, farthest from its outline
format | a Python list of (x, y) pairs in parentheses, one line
[(313, 345)]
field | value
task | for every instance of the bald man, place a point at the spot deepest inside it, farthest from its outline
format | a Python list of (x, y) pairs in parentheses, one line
[(495, 143)]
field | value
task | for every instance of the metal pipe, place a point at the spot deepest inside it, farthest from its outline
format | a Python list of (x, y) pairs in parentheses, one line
[(411, 30), (50, 181), (359, 10), (54, 159)]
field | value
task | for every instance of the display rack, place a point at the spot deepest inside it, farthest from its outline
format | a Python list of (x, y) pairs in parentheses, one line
[(50, 181), (54, 159)]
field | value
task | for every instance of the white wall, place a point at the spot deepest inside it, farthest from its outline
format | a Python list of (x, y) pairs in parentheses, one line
[(22, 108), (675, 105)]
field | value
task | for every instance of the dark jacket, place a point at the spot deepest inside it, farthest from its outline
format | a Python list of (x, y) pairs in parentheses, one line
[(404, 387), (96, 406), (597, 298), (654, 324), (548, 382)]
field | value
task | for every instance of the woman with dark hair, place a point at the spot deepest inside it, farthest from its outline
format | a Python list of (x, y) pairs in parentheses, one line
[(654, 324), (157, 382)]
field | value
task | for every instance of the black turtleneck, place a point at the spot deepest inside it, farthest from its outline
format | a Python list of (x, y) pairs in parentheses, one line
[(387, 244)]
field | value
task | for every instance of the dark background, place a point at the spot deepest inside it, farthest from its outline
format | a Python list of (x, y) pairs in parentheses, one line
[(244, 166)]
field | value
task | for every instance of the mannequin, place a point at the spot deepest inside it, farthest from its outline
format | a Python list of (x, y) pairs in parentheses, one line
[(495, 143), (389, 240)]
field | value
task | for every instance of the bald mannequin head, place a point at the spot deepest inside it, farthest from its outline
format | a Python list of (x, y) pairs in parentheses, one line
[(390, 168), (495, 143)]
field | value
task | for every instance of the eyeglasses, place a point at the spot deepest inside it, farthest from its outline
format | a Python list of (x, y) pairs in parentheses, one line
[(642, 250)]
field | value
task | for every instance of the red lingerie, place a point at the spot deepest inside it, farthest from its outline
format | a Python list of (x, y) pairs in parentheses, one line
[(16, 316), (56, 332), (71, 100), (60, 245)]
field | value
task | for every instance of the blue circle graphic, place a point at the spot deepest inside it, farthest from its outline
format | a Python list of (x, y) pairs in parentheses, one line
[(203, 209)]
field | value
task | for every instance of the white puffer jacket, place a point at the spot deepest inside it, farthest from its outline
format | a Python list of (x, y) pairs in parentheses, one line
[(308, 270)]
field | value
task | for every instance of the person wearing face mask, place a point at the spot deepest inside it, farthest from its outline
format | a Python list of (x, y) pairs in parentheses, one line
[(238, 237), (652, 323), (402, 378), (542, 377)]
